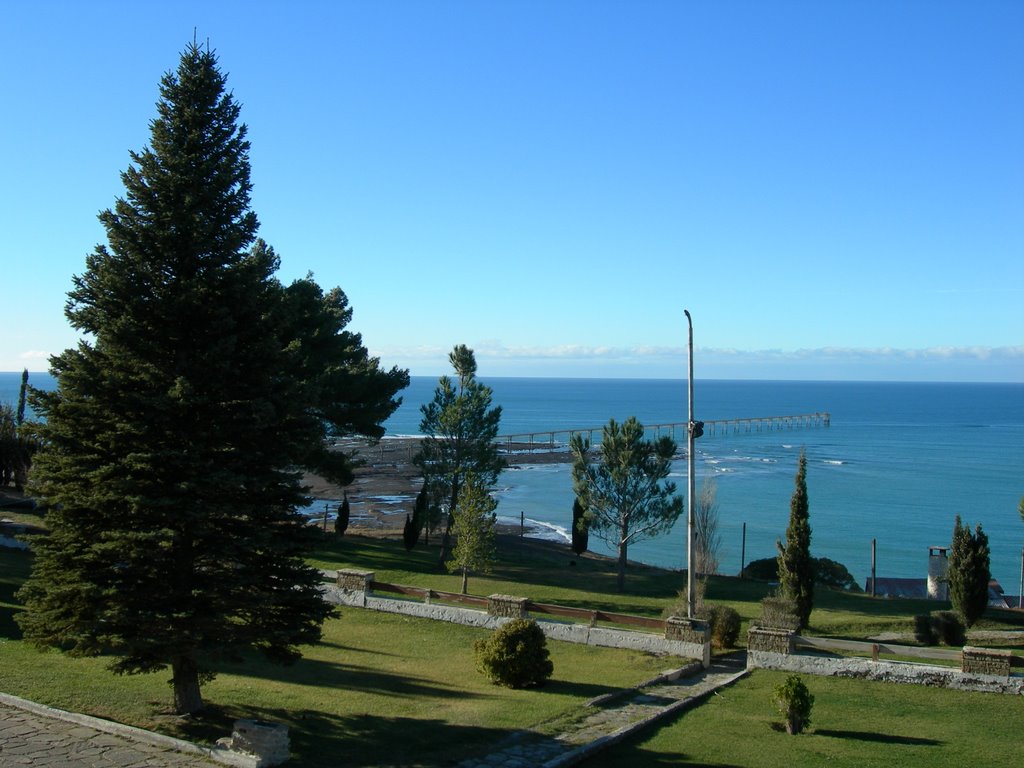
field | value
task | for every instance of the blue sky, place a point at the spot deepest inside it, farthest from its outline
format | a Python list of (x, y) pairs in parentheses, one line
[(834, 190)]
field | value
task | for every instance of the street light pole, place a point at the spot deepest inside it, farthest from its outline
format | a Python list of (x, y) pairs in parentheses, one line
[(691, 584), (1020, 592)]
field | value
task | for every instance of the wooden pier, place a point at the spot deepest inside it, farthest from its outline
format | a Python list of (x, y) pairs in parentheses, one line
[(529, 442)]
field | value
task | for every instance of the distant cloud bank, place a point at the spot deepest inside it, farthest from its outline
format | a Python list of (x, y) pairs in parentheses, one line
[(946, 363)]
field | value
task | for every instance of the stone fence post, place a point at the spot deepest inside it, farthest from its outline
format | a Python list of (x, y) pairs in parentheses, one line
[(355, 586), (771, 640), (694, 632), (985, 661), (507, 606)]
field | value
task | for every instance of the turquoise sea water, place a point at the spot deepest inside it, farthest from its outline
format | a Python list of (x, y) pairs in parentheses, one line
[(898, 463)]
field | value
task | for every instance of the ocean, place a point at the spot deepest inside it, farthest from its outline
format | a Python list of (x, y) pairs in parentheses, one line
[(896, 464)]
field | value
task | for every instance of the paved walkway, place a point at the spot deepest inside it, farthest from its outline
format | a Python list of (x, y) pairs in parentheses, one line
[(37, 736), (607, 722)]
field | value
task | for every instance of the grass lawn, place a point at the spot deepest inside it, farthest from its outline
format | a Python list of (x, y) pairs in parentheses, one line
[(853, 723), (379, 688), (387, 689), (548, 572)]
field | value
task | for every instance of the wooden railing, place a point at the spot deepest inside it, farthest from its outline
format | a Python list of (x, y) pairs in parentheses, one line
[(577, 614), (876, 649)]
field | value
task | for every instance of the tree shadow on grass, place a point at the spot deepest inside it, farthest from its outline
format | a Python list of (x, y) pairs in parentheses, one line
[(349, 677), (582, 690), (323, 740), (14, 569), (649, 759), (879, 738)]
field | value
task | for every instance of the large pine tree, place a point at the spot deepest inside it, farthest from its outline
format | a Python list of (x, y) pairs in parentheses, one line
[(796, 567), (175, 439)]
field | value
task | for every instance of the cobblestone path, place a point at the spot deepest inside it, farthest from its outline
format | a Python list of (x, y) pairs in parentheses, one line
[(574, 738), (30, 738)]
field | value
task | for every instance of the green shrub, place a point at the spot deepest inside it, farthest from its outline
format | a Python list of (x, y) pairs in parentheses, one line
[(779, 613), (924, 632), (949, 628), (794, 702), (766, 569), (724, 623), (828, 572), (941, 626), (515, 655), (833, 574)]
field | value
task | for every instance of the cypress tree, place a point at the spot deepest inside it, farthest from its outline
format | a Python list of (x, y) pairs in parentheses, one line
[(344, 513), (968, 573), (413, 525), (174, 442), (22, 396), (796, 568), (580, 529)]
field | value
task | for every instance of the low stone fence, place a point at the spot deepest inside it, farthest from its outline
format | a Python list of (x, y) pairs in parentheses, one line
[(678, 637), (981, 669)]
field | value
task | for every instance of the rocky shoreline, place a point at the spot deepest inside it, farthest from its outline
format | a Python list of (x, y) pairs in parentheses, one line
[(386, 481)]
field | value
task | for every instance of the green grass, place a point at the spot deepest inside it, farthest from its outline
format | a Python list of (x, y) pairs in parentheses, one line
[(378, 689), (387, 689), (854, 723), (542, 572)]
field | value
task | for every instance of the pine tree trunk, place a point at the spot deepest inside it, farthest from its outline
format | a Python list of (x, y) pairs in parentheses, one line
[(620, 579), (188, 698), (465, 581), (446, 540)]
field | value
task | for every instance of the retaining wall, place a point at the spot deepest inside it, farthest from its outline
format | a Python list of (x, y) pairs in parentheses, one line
[(350, 591), (765, 650)]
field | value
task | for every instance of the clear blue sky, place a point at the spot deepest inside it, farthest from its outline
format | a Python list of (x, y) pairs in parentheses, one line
[(834, 190)]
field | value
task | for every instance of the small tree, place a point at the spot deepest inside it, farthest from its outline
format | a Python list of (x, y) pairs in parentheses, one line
[(794, 702), (413, 525), (474, 529), (707, 539), (969, 574), (623, 493), (796, 569), (22, 396), (580, 529), (460, 427), (344, 513)]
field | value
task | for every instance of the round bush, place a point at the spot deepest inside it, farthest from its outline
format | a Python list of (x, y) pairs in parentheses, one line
[(515, 655), (949, 628), (924, 632)]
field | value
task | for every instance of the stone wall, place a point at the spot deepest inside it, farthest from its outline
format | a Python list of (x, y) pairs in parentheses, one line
[(829, 665), (569, 632)]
